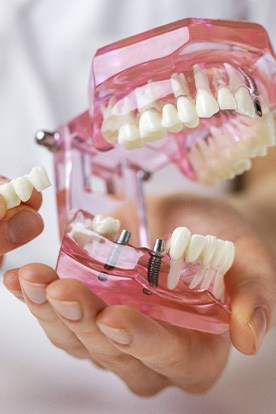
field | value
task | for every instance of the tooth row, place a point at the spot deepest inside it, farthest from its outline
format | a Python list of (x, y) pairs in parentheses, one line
[(227, 151), (214, 256), (21, 188), (121, 124)]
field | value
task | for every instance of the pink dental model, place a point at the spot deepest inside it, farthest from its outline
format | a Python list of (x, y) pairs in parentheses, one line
[(200, 94)]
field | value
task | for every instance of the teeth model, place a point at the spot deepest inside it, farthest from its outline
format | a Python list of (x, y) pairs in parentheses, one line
[(214, 256), (20, 189), (229, 145)]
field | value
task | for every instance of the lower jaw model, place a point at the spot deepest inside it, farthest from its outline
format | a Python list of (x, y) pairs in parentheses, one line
[(199, 94)]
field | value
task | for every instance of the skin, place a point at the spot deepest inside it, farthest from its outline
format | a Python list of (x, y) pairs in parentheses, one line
[(148, 355)]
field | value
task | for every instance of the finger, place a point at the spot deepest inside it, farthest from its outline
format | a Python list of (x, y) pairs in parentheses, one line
[(34, 279), (252, 286), (19, 226), (3, 207), (78, 308), (188, 359), (11, 282), (35, 200)]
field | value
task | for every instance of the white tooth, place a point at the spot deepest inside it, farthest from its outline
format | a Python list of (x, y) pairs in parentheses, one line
[(206, 105), (208, 279), (174, 273), (8, 193), (150, 127), (201, 79), (244, 102), (105, 225), (179, 241), (228, 258), (259, 151), (23, 187), (187, 112), (197, 278), (241, 167), (129, 136), (195, 248), (170, 118), (179, 85), (208, 250), (221, 249), (39, 178), (225, 98), (218, 287)]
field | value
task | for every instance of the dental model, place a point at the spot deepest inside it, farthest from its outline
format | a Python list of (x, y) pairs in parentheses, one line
[(21, 188), (199, 94)]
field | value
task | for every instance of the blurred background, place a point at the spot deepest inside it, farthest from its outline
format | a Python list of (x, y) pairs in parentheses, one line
[(46, 48)]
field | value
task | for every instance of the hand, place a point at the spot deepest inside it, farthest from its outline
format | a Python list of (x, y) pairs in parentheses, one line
[(19, 225), (148, 355)]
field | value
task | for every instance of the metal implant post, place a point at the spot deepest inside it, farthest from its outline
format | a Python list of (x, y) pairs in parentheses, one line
[(155, 260), (114, 254), (48, 139)]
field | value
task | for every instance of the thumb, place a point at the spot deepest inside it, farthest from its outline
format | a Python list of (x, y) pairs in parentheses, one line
[(18, 226), (252, 286)]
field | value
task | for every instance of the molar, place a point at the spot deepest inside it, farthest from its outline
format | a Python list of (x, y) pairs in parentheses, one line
[(106, 225)]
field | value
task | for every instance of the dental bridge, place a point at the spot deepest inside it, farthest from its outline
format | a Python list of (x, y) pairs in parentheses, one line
[(196, 93)]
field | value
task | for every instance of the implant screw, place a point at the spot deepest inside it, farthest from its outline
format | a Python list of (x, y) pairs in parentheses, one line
[(48, 139), (155, 260), (114, 254)]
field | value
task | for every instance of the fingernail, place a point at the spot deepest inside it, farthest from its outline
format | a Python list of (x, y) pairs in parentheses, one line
[(24, 226), (68, 309), (258, 324), (115, 334), (36, 292)]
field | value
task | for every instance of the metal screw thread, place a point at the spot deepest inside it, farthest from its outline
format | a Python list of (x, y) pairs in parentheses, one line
[(114, 254), (155, 261)]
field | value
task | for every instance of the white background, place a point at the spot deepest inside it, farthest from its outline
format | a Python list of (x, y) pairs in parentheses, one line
[(46, 48)]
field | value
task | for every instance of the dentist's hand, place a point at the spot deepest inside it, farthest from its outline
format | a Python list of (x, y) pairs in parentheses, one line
[(21, 224), (148, 355)]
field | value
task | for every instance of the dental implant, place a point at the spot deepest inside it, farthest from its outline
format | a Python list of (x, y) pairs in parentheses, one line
[(155, 261), (115, 251)]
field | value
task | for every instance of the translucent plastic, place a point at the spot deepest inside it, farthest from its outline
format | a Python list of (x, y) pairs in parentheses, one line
[(104, 156), (85, 255)]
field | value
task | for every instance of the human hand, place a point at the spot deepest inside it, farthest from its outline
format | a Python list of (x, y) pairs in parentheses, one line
[(21, 224), (146, 354)]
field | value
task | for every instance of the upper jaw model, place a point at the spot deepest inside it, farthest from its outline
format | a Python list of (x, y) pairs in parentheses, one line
[(200, 94)]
